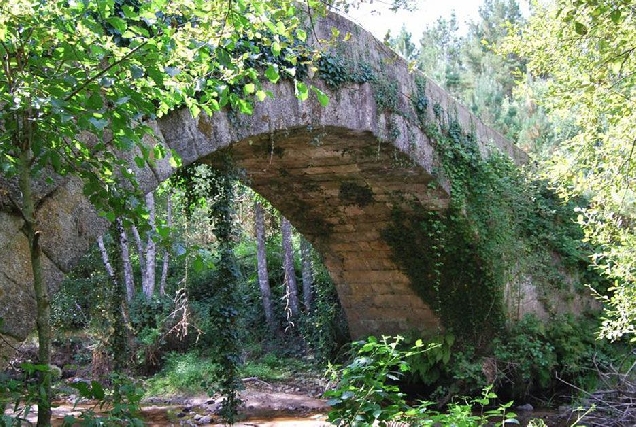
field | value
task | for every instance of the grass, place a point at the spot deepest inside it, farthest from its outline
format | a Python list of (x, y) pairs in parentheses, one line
[(194, 373), (274, 368), (183, 374)]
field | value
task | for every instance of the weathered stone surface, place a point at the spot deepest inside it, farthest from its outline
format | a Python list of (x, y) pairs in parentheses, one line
[(16, 290), (337, 172), (71, 224)]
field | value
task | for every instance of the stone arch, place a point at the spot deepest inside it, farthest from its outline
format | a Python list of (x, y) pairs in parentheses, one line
[(336, 172), (332, 172)]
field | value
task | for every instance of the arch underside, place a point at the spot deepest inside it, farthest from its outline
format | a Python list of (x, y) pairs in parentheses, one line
[(339, 188)]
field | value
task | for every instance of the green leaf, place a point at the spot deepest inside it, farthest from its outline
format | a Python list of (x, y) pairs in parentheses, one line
[(83, 389), (276, 48), (98, 124), (615, 16), (95, 101), (117, 23), (175, 162), (261, 95), (245, 106), (249, 88), (159, 151), (56, 161), (98, 390), (322, 97), (194, 109), (272, 74), (301, 34), (198, 264), (163, 232), (580, 29), (69, 420), (302, 91)]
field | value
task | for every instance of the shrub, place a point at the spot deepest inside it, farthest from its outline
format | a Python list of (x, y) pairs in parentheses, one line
[(367, 392), (188, 373)]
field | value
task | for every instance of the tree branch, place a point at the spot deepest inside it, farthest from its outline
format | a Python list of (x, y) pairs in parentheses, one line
[(105, 70)]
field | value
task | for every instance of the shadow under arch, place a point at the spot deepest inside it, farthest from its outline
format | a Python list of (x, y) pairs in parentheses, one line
[(339, 187)]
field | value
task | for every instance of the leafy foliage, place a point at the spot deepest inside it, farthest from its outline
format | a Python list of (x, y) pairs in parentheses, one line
[(583, 52), (21, 393), (534, 357), (530, 359), (104, 67), (119, 405), (122, 403), (187, 373), (367, 392)]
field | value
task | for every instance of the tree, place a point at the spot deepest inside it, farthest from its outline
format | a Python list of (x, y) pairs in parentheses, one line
[(149, 251), (261, 259), (402, 44), (584, 52), (439, 54), (307, 274), (291, 287), (129, 280), (468, 66), (79, 79), (166, 253)]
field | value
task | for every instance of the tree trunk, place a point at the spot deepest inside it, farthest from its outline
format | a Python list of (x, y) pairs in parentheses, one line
[(308, 276), (288, 265), (129, 278), (140, 248), (43, 315), (261, 261), (120, 313), (119, 308), (166, 252), (105, 259), (148, 274)]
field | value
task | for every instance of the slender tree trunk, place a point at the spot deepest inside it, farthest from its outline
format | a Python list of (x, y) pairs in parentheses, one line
[(120, 312), (148, 275), (288, 265), (43, 315), (166, 252), (105, 259), (129, 278), (261, 260), (119, 308), (308, 276), (140, 249)]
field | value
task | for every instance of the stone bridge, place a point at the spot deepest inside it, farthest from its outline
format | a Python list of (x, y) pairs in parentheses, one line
[(336, 172)]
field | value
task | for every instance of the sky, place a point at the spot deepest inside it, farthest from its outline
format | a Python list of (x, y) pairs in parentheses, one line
[(377, 18)]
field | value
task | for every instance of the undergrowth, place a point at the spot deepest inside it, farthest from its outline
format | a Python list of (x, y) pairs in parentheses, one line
[(188, 373)]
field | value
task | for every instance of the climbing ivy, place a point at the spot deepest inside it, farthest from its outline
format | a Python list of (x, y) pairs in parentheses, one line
[(336, 71), (227, 300), (501, 226), (215, 301)]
